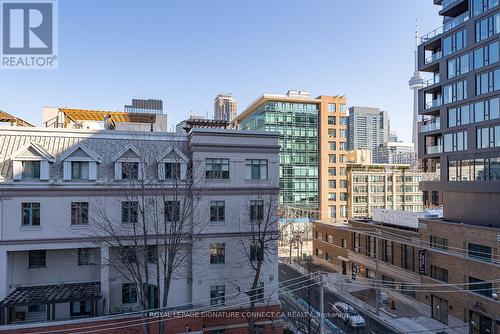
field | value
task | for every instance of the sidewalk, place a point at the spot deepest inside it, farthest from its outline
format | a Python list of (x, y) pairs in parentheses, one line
[(409, 315)]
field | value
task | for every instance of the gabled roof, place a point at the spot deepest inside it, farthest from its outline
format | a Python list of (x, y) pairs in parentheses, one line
[(176, 151), (38, 148), (85, 149), (127, 148), (6, 117)]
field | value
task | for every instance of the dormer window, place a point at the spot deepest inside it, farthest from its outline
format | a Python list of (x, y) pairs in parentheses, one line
[(31, 170), (80, 163), (172, 165), (172, 171), (31, 162), (130, 170), (129, 164), (79, 170)]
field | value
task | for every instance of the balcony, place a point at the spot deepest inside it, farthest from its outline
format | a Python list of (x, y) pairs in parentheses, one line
[(433, 81), (430, 126), (453, 8), (431, 176), (433, 57), (434, 149), (445, 27), (433, 104)]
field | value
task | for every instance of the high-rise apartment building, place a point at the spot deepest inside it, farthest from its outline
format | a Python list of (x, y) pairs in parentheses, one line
[(313, 144), (394, 152), (368, 129), (225, 107), (460, 140)]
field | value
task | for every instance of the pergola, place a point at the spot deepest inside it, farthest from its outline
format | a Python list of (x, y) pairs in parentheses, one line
[(50, 295)]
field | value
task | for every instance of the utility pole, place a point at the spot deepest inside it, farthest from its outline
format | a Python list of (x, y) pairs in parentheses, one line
[(321, 304), (377, 290)]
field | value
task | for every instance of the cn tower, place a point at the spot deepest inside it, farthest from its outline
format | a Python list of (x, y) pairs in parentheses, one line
[(416, 82)]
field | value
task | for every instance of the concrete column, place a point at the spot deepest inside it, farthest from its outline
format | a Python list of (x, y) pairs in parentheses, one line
[(4, 281), (105, 258)]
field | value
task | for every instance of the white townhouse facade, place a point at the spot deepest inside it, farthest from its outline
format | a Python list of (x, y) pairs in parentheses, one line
[(67, 202)]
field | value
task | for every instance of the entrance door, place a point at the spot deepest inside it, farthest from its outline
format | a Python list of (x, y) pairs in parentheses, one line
[(479, 324), (439, 309), (344, 268)]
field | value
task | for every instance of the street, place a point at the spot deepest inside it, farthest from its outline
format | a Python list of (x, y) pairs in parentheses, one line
[(312, 294)]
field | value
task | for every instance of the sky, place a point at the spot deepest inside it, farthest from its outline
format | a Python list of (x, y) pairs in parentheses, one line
[(185, 52)]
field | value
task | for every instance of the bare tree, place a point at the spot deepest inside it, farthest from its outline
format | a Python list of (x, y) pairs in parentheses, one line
[(151, 241), (259, 234)]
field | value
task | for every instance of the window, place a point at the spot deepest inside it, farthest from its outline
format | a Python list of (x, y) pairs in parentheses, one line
[(172, 211), (332, 146), (487, 27), (342, 108), (332, 211), (387, 251), (459, 65), (37, 259), (130, 170), (332, 184), (332, 133), (79, 170), (343, 243), (128, 254), (486, 55), (456, 141), (438, 243), (407, 259), (456, 91), (460, 115), (172, 171), (217, 168), (342, 133), (86, 257), (343, 196), (332, 196), (152, 254), (217, 295), (256, 169), (256, 210), (488, 137), (129, 293), (454, 42), (487, 82), (486, 110), (332, 158), (439, 273), (332, 107), (80, 308), (36, 308), (79, 213), (257, 295), (30, 214), (343, 184), (256, 252), (480, 252), (332, 171), (217, 253), (129, 212), (481, 6), (331, 120), (31, 170), (217, 211), (479, 286), (344, 120)]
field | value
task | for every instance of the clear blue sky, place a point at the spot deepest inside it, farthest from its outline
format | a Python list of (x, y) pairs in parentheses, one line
[(187, 51)]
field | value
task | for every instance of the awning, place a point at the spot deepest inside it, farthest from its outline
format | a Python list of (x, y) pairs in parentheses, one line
[(48, 294)]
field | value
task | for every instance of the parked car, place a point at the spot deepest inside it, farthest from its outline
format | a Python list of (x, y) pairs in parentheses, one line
[(348, 314)]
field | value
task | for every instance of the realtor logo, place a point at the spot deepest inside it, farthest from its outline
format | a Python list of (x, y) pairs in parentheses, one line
[(29, 34)]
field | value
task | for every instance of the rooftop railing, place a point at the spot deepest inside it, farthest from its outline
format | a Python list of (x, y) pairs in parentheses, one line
[(445, 27)]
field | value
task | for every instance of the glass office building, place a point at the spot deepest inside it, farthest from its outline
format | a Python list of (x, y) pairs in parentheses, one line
[(297, 122)]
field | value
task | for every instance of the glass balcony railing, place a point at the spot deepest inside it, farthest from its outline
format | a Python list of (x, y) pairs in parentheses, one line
[(433, 81), (434, 149), (445, 27), (433, 104), (433, 57), (430, 127), (448, 3)]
